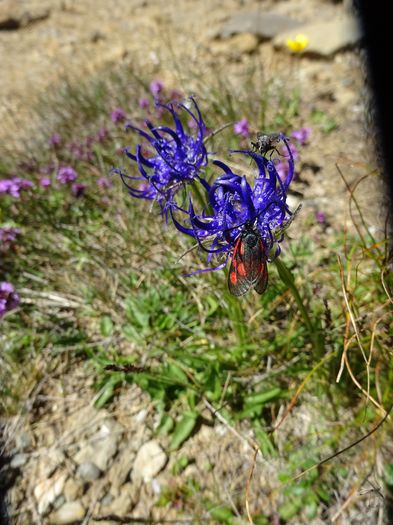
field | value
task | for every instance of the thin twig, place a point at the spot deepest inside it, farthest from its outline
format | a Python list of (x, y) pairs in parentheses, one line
[(216, 131), (369, 396), (354, 325), (345, 449), (254, 461), (222, 420)]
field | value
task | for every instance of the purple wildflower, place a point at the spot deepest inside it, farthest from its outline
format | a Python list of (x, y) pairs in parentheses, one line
[(177, 158), (192, 124), (144, 103), (8, 298), (66, 174), (82, 151), (156, 86), (44, 182), (320, 217), (118, 115), (294, 151), (4, 185), (14, 186), (302, 135), (234, 202), (23, 184), (104, 183), (7, 236), (102, 134), (54, 140), (242, 128), (176, 95), (78, 189)]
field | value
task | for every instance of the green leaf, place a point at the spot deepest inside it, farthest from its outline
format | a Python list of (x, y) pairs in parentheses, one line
[(213, 305), (183, 429), (265, 443), (131, 333), (106, 326), (290, 509), (261, 398), (166, 425), (191, 399), (323, 494), (284, 272), (222, 514), (261, 520), (311, 508), (176, 374), (108, 390), (136, 314), (180, 465), (249, 412), (213, 386), (389, 475)]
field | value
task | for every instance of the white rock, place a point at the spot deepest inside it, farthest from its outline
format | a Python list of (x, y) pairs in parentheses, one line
[(149, 460), (19, 460), (71, 512), (88, 471), (141, 415), (47, 491), (100, 448)]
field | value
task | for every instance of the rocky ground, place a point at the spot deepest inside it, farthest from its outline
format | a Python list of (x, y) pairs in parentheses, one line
[(70, 463)]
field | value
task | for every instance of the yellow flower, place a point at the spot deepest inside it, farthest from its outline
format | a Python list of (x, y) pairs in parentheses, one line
[(298, 44)]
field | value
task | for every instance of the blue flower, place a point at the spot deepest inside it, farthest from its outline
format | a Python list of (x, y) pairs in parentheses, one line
[(234, 201), (177, 158)]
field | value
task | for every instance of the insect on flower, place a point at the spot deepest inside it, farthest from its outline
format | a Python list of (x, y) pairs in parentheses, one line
[(266, 142), (249, 262), (250, 256)]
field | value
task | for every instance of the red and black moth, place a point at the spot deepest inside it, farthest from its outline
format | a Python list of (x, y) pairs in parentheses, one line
[(249, 262)]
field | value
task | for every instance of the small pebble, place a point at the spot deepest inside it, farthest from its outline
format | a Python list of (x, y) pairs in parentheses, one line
[(19, 460), (71, 512), (88, 471)]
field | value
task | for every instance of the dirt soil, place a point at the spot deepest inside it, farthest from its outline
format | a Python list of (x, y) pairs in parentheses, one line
[(78, 39)]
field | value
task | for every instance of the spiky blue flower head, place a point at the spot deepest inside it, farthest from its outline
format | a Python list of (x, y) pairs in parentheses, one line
[(177, 158), (234, 200)]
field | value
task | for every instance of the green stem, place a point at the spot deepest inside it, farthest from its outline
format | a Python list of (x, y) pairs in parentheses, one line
[(287, 277)]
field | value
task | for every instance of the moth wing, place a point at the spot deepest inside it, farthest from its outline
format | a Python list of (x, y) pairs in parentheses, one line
[(256, 267), (262, 281), (238, 281), (248, 266), (253, 258)]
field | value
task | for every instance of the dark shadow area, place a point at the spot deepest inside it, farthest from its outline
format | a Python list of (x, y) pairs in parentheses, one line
[(376, 24), (7, 479)]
